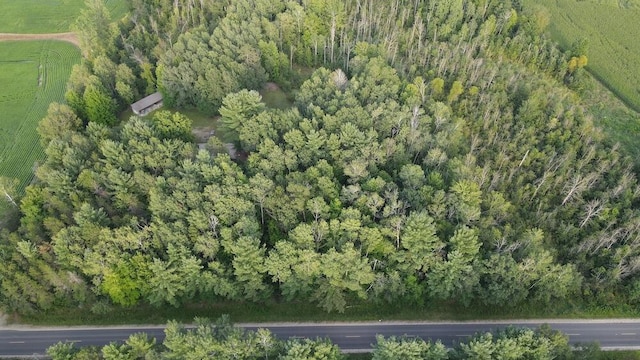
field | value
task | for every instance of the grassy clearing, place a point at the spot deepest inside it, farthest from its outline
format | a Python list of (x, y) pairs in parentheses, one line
[(39, 16), (35, 74), (612, 28), (204, 125), (274, 97), (198, 119)]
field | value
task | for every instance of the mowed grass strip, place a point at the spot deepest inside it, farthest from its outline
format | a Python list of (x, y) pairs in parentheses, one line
[(612, 29), (33, 74), (47, 16)]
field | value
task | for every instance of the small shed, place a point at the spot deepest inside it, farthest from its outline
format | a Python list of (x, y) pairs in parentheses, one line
[(147, 105)]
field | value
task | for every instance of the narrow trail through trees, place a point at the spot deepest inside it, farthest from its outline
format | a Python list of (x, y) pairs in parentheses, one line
[(68, 37)]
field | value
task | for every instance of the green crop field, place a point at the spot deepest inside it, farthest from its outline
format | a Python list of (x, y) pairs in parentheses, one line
[(612, 28), (33, 74), (46, 16)]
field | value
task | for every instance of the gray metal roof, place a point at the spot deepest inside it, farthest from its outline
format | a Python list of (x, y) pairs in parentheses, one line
[(146, 102)]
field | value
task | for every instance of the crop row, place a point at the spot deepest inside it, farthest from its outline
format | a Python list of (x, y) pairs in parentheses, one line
[(21, 147)]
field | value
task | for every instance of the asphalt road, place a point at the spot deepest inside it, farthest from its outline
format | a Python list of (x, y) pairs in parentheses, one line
[(354, 337)]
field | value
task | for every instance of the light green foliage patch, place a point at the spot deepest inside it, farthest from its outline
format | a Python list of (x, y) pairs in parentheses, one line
[(33, 74), (38, 16), (612, 32)]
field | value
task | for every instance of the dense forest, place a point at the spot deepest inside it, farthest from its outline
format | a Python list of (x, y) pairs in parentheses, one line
[(439, 151), (222, 340)]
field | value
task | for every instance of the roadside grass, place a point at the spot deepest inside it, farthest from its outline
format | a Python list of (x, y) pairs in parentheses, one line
[(50, 16), (301, 311), (364, 356), (612, 29), (297, 312), (37, 72), (619, 355), (604, 355)]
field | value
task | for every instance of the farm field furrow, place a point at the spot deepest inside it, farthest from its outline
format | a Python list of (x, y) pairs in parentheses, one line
[(35, 74)]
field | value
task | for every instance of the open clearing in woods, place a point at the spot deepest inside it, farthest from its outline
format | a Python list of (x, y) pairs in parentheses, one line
[(35, 74)]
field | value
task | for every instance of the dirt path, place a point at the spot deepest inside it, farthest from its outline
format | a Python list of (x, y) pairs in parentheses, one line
[(68, 37)]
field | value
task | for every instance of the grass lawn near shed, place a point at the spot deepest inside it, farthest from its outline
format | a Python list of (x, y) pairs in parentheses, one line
[(205, 125), (47, 16), (33, 74)]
